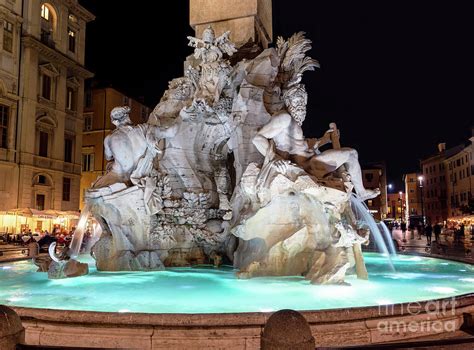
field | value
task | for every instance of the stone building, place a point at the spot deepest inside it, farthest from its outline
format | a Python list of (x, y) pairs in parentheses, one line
[(41, 100), (434, 172), (97, 125), (396, 206), (374, 176), (413, 201), (10, 34), (459, 176)]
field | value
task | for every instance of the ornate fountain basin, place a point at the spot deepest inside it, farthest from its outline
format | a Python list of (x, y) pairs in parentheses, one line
[(196, 307)]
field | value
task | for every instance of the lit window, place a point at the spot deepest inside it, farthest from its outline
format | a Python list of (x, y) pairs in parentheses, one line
[(71, 99), (72, 40), (4, 113), (8, 36), (45, 12)]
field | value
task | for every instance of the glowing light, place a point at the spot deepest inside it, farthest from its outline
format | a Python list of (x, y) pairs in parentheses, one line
[(7, 267), (384, 302), (124, 310)]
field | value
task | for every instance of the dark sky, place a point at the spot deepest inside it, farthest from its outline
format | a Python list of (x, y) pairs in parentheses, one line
[(396, 76)]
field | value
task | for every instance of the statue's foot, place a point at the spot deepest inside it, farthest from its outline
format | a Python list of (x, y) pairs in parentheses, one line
[(369, 194)]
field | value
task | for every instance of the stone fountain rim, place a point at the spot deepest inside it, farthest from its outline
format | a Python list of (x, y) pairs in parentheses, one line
[(225, 319)]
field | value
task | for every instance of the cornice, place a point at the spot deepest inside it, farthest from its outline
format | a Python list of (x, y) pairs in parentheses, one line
[(57, 57), (80, 11)]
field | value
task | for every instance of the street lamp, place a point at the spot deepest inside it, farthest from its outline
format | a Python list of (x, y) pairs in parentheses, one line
[(420, 179), (389, 187)]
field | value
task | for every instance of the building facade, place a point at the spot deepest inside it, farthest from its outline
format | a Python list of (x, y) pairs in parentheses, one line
[(435, 192), (99, 102), (396, 206), (10, 39), (374, 176), (413, 199), (42, 77), (459, 175)]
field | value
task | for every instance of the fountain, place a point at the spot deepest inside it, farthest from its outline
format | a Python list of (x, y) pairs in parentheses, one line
[(191, 249)]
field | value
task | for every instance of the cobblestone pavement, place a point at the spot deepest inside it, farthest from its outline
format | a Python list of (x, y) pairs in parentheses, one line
[(446, 247)]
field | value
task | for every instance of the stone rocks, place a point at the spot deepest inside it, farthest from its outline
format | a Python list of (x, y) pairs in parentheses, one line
[(12, 332), (43, 261), (287, 330), (67, 268)]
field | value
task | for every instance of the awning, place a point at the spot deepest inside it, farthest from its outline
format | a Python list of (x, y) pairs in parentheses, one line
[(43, 214)]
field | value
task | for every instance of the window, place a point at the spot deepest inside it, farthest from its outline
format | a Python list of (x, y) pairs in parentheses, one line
[(42, 180), (43, 144), (4, 113), (369, 177), (88, 122), (66, 189), (68, 149), (370, 203), (88, 162), (40, 201), (45, 12), (8, 36), (71, 99), (46, 87), (72, 39)]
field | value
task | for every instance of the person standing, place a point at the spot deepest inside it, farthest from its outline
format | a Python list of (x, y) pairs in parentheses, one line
[(403, 226), (428, 232), (437, 232)]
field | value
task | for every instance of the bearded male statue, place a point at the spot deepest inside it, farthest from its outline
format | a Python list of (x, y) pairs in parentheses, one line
[(285, 130)]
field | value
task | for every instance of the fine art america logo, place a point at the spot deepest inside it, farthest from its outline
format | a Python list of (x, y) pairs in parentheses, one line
[(426, 317)]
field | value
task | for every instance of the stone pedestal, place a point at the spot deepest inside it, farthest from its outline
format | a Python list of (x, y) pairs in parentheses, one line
[(246, 19), (12, 332)]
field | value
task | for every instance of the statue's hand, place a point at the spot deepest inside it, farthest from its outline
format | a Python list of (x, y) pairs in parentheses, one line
[(281, 166)]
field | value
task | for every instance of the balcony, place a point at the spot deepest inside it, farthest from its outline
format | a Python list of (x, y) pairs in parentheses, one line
[(47, 39)]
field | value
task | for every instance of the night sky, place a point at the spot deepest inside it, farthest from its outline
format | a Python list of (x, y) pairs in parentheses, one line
[(396, 77)]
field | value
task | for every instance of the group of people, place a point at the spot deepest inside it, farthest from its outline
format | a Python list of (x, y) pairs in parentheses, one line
[(453, 233)]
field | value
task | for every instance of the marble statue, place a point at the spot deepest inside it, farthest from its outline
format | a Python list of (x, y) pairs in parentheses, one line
[(221, 173), (130, 150), (285, 130)]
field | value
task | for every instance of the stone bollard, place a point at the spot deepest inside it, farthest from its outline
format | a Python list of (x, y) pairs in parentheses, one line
[(287, 329), (12, 332)]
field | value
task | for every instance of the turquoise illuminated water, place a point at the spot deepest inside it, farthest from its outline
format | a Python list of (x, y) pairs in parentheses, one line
[(209, 290)]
